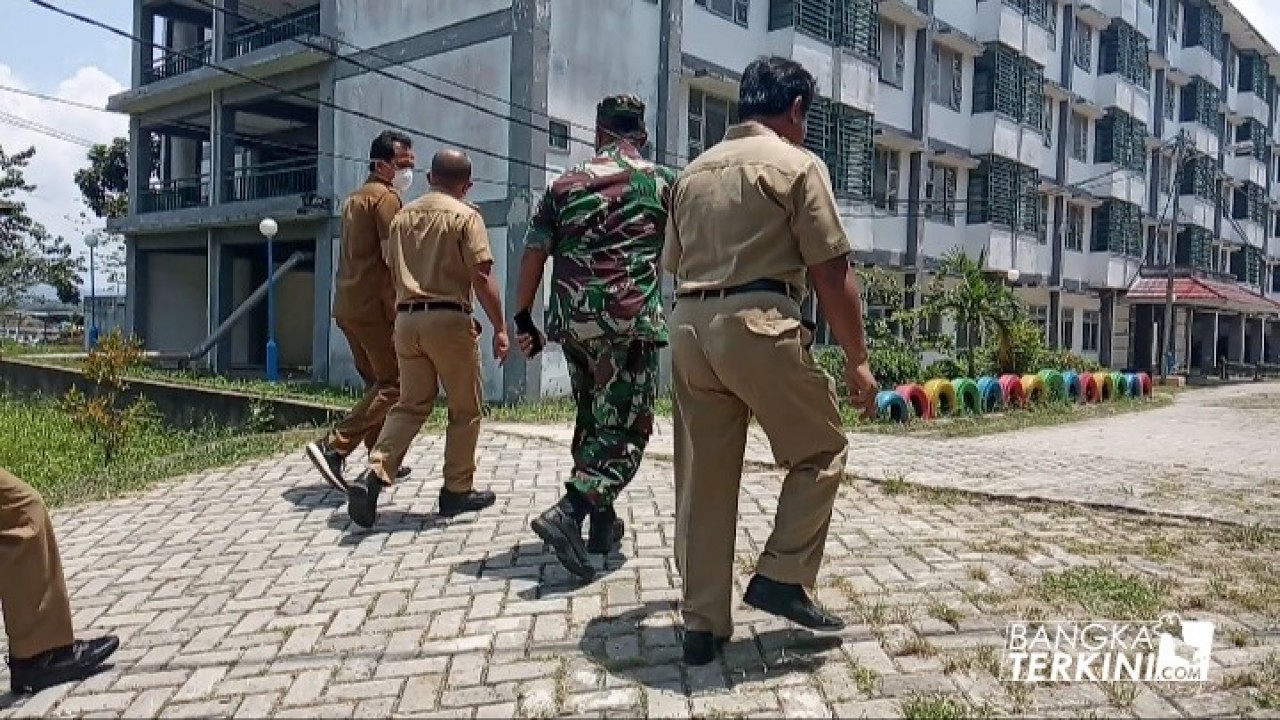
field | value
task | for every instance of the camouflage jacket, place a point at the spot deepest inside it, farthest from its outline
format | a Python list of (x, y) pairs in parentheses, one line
[(604, 224)]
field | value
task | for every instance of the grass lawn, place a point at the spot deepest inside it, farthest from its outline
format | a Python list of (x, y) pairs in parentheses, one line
[(42, 446)]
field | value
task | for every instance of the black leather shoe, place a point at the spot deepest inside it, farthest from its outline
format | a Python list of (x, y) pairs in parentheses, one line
[(605, 532), (329, 463), (403, 472), (701, 647), (452, 503), (790, 602), (362, 499), (60, 665), (557, 528)]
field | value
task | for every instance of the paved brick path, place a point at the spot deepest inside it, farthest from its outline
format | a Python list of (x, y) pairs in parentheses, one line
[(245, 593)]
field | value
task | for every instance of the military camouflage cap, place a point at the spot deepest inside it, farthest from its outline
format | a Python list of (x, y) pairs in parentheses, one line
[(620, 107)]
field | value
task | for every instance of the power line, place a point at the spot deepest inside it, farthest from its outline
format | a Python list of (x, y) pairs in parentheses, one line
[(52, 98)]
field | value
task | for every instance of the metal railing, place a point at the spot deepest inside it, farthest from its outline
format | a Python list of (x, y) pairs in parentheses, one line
[(256, 37), (268, 180), (178, 194), (177, 62)]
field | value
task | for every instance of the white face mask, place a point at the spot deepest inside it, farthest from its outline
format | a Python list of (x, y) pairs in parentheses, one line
[(403, 179)]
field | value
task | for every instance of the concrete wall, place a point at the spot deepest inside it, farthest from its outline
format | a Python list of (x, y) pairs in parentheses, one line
[(178, 287)]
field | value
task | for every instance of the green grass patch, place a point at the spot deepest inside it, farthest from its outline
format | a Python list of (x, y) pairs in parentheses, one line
[(1105, 593), (16, 349), (942, 707), (42, 447)]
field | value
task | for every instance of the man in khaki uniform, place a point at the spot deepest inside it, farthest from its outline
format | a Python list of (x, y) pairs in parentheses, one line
[(364, 302), (438, 254), (751, 220), (43, 651)]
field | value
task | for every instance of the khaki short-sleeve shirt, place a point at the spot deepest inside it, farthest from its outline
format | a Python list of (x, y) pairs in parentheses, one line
[(363, 287), (436, 243), (754, 207)]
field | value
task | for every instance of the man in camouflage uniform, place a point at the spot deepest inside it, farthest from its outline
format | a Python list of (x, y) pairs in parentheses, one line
[(603, 224)]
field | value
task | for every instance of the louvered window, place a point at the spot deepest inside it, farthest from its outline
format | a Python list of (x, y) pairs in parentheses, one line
[(1254, 132), (1203, 28), (1032, 94), (1117, 228), (1005, 193), (851, 24), (843, 137), (1200, 102), (1121, 139), (1124, 51), (1195, 247), (1250, 203), (940, 194), (1199, 178), (1253, 73)]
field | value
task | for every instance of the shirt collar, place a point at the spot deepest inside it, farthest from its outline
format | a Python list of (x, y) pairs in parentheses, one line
[(373, 178), (621, 147), (750, 128)]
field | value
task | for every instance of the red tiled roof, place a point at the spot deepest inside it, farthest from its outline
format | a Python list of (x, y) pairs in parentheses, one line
[(1197, 291)]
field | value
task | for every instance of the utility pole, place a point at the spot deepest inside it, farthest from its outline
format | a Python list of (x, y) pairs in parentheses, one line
[(1166, 335)]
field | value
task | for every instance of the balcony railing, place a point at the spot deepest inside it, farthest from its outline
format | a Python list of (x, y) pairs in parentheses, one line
[(256, 37), (268, 180), (178, 194), (177, 62)]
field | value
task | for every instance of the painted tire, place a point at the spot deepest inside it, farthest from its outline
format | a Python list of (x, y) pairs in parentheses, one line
[(1054, 384), (1071, 385), (1119, 386), (1090, 390), (1034, 388), (1014, 394), (992, 394), (968, 397), (891, 406), (1106, 386), (1145, 381), (1132, 385), (942, 397), (918, 399)]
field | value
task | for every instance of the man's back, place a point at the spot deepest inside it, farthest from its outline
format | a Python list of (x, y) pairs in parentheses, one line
[(363, 287), (436, 241), (744, 211), (603, 224)]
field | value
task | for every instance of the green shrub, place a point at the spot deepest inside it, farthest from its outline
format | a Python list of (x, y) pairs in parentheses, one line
[(893, 363), (1028, 353), (945, 368), (1067, 360)]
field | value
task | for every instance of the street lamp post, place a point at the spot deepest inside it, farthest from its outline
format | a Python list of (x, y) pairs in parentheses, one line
[(1012, 276), (269, 228), (91, 242)]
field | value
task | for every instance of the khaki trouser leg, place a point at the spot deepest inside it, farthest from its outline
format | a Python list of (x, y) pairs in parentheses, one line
[(710, 442), (374, 353), (456, 352), (419, 387), (761, 355), (33, 591)]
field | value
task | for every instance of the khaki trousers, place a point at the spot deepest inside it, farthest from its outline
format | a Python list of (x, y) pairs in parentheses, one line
[(734, 358), (435, 347), (374, 354), (33, 592)]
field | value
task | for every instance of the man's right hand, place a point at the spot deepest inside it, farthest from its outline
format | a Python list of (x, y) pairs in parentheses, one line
[(501, 346), (862, 388)]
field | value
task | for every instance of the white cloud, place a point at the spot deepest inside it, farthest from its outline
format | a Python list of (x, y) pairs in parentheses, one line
[(53, 168), (1263, 15)]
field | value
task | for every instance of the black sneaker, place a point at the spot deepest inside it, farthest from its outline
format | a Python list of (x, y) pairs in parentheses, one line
[(605, 533), (329, 463), (60, 665), (453, 503), (558, 528), (701, 647), (362, 499)]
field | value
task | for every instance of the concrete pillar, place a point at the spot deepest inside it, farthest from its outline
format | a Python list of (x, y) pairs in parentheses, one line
[(185, 158), (222, 143), (140, 162), (668, 125), (221, 298), (1260, 344), (1107, 318), (144, 26), (1237, 337), (1055, 321), (225, 22), (135, 297)]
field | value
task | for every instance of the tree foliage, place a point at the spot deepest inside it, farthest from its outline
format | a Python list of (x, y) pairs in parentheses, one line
[(108, 420), (962, 291), (104, 182), (29, 255)]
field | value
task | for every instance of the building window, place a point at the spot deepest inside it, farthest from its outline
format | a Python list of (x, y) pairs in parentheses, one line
[(1082, 50), (1067, 338), (1074, 231), (1275, 224), (732, 10), (948, 77), (1232, 68), (1079, 137), (885, 175), (1170, 100), (558, 135), (968, 335), (1040, 316), (1049, 106), (893, 53), (940, 194), (1052, 25), (1175, 16), (709, 118), (1043, 234), (1092, 331)]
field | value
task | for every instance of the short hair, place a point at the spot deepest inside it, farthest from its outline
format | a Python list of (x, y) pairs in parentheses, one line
[(383, 146), (771, 84), (450, 168)]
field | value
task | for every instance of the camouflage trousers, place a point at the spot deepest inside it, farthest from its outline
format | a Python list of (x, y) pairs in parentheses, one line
[(615, 385)]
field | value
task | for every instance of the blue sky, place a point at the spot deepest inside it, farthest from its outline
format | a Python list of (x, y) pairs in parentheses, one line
[(26, 34)]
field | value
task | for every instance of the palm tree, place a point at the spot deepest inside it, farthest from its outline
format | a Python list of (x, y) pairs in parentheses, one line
[(975, 301)]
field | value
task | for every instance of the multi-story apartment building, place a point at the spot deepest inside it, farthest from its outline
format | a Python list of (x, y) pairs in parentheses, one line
[(1037, 132)]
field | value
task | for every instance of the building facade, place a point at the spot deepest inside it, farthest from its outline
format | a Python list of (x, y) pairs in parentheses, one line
[(1038, 133)]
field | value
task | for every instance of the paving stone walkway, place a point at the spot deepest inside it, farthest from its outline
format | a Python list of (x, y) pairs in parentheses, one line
[(246, 592)]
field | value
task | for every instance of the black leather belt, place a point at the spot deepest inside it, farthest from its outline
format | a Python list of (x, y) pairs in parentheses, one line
[(769, 286), (421, 305)]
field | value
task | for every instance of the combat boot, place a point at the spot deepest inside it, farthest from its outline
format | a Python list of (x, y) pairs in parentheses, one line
[(561, 528), (605, 532)]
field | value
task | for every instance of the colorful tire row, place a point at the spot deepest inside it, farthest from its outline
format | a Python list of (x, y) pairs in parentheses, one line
[(964, 396)]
